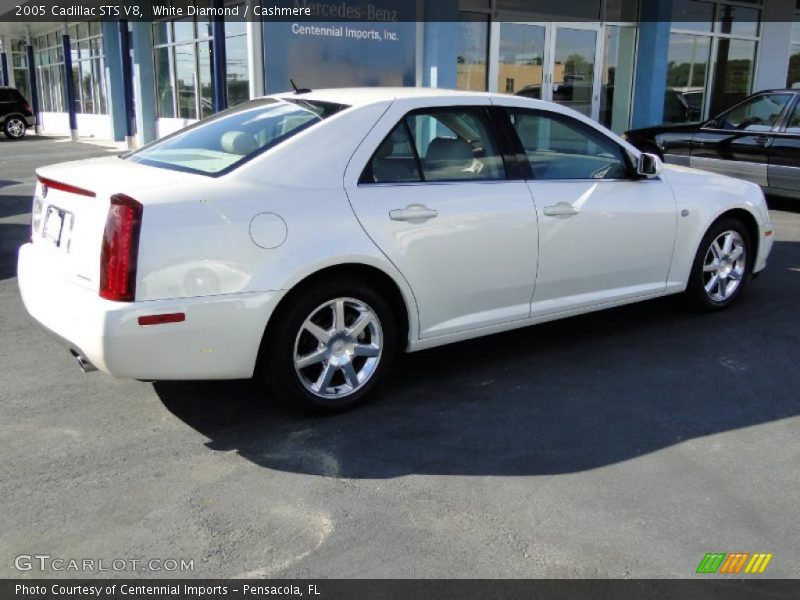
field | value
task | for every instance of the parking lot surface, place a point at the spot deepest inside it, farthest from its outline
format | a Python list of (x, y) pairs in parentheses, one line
[(627, 443)]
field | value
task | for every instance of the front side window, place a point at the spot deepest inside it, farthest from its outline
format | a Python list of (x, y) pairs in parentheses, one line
[(234, 136), (443, 144), (757, 114), (793, 124), (560, 147)]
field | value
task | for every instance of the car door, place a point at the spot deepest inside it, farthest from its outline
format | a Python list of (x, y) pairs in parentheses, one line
[(737, 142), (604, 234), (7, 102), (783, 173), (430, 187)]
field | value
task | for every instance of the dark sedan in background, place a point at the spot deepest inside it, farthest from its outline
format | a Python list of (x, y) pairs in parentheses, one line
[(757, 140)]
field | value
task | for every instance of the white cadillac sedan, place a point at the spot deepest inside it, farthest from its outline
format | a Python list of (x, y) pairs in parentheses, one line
[(308, 237)]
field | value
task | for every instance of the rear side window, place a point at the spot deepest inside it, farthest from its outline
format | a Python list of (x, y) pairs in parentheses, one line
[(219, 144), (6, 96), (442, 144)]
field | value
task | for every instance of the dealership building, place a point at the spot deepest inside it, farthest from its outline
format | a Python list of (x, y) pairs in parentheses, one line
[(625, 63)]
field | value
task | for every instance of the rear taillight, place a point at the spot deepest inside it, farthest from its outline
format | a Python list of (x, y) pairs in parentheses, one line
[(27, 107), (120, 249)]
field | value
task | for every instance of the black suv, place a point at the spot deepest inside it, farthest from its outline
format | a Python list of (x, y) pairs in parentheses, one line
[(15, 113)]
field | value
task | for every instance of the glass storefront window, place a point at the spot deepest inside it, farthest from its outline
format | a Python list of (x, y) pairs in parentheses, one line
[(49, 59), (183, 56), (727, 33), (205, 82), (473, 52), (733, 75), (521, 66), (793, 76), (687, 67), (88, 67), (184, 31), (618, 68), (692, 15), (738, 20), (237, 76), (573, 73), (19, 68), (185, 77), (238, 79), (165, 104), (161, 33)]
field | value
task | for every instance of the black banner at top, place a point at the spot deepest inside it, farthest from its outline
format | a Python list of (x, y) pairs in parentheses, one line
[(391, 11)]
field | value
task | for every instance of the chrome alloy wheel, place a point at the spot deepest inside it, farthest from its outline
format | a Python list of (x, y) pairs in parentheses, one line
[(15, 128), (724, 266), (338, 348)]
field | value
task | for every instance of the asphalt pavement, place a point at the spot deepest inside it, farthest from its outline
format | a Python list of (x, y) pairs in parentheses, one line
[(626, 443)]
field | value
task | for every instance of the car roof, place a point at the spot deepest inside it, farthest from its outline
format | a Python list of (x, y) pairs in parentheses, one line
[(369, 95)]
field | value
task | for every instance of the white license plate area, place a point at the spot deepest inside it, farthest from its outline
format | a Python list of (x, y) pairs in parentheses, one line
[(56, 224)]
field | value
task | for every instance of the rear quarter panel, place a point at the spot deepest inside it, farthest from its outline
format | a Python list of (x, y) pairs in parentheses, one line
[(196, 239)]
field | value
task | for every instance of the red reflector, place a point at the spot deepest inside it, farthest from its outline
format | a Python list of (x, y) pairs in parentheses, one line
[(27, 107), (768, 233), (120, 250), (65, 187), (159, 319)]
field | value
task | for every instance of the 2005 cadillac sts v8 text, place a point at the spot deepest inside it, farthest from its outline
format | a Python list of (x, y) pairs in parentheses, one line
[(308, 237)]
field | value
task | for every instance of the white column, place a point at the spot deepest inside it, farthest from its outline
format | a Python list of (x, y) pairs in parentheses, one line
[(772, 63), (255, 56)]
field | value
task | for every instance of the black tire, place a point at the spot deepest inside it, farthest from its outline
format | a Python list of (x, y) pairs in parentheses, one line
[(14, 128), (277, 361), (698, 297)]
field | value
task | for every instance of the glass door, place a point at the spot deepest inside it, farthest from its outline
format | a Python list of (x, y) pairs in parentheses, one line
[(574, 73), (550, 61), (522, 59)]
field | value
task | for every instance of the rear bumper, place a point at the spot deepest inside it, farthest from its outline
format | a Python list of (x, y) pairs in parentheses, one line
[(30, 122), (219, 338)]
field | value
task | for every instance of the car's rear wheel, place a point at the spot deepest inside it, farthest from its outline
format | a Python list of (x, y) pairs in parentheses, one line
[(14, 128), (331, 347), (722, 266)]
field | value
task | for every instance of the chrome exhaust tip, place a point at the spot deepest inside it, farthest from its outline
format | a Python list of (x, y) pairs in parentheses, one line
[(83, 362)]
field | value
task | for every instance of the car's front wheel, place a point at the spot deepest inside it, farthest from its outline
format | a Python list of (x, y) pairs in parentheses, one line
[(330, 347), (14, 128), (722, 266)]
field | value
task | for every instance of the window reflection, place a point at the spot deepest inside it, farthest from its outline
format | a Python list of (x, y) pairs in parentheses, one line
[(521, 59), (687, 67), (473, 52), (733, 78)]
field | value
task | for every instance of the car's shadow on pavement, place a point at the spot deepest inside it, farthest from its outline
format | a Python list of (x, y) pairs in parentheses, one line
[(12, 236), (12, 205), (556, 398)]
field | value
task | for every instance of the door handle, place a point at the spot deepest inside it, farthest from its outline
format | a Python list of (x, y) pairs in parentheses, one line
[(413, 212), (562, 209)]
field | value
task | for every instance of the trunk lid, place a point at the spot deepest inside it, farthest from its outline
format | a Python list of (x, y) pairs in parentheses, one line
[(70, 207)]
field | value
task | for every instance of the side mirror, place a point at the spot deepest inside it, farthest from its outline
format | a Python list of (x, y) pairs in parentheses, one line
[(649, 166)]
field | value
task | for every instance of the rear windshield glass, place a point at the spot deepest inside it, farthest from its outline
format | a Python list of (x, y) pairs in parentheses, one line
[(223, 142)]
